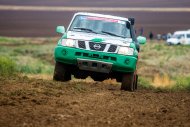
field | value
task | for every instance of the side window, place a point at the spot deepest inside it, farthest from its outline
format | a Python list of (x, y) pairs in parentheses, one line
[(188, 35), (182, 35)]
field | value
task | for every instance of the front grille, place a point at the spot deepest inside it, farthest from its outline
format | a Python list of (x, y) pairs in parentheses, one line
[(112, 48), (103, 47), (97, 46), (81, 44)]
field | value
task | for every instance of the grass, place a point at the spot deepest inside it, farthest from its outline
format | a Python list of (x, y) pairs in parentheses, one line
[(6, 40), (7, 66), (164, 66), (160, 58), (31, 56), (182, 83), (160, 66)]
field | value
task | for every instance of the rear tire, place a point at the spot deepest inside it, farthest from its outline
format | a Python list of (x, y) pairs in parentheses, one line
[(128, 82), (61, 73)]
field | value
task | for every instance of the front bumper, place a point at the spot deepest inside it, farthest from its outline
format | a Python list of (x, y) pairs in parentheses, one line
[(120, 63)]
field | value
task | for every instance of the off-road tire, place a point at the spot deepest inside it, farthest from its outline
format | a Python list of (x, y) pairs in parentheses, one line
[(136, 82), (128, 82), (61, 73)]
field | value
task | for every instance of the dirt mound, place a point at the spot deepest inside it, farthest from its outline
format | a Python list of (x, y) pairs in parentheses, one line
[(35, 102)]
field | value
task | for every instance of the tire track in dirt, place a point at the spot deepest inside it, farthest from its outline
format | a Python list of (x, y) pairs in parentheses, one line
[(35, 102)]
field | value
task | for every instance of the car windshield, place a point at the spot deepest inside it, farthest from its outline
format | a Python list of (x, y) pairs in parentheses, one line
[(178, 36), (100, 25)]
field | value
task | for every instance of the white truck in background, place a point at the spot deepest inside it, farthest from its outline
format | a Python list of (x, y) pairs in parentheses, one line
[(179, 37)]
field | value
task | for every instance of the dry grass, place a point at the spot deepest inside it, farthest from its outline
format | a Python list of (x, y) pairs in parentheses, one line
[(162, 81), (163, 64)]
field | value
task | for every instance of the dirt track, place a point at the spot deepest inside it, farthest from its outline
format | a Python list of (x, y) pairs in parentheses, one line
[(29, 102)]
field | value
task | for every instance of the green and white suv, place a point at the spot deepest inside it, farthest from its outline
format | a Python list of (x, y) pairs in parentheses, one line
[(100, 46)]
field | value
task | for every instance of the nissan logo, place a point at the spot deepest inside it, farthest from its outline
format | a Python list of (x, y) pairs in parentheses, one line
[(97, 46)]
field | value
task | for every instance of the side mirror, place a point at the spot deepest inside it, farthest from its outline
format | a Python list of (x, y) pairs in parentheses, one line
[(141, 40), (60, 29)]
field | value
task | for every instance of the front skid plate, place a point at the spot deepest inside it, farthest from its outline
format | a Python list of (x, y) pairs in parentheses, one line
[(94, 65)]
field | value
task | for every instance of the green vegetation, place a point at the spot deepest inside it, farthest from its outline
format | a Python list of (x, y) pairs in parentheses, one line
[(160, 66), (165, 66), (145, 83), (163, 59), (26, 55), (7, 66), (8, 40), (182, 83)]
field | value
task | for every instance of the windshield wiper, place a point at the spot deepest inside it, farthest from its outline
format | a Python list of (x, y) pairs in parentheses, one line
[(85, 29), (106, 32)]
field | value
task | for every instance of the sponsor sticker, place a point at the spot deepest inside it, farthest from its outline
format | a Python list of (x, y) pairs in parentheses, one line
[(103, 19)]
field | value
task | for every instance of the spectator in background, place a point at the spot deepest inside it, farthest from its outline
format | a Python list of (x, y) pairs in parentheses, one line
[(164, 36), (151, 35), (141, 30), (135, 31), (159, 37), (169, 35)]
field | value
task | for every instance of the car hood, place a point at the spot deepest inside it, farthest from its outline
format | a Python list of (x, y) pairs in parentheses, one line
[(105, 38)]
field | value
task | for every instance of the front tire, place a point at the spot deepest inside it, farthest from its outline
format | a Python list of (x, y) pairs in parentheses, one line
[(136, 82), (128, 82), (61, 72)]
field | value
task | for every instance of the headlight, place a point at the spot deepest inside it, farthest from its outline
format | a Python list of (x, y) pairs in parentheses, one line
[(68, 42), (126, 51)]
